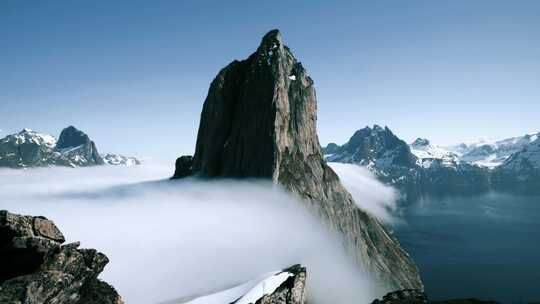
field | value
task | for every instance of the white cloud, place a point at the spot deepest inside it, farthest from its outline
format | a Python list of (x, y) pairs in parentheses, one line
[(374, 197), (168, 240)]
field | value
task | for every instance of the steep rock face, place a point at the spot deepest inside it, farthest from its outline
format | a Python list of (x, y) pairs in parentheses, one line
[(183, 166), (78, 148), (37, 268), (72, 137), (259, 120)]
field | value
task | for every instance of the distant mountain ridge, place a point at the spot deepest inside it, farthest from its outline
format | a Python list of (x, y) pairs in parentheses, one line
[(74, 148), (422, 168)]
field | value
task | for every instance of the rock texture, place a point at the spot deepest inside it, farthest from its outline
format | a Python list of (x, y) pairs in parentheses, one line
[(37, 268), (259, 120), (291, 291)]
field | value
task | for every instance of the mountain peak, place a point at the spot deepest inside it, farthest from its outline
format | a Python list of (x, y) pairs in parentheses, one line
[(420, 142), (26, 130), (259, 120), (72, 137), (273, 36)]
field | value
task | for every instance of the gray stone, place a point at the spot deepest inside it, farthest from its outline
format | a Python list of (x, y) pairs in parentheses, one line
[(37, 269), (259, 120)]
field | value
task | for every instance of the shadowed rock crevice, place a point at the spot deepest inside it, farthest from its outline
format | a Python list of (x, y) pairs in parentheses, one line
[(37, 268), (259, 120)]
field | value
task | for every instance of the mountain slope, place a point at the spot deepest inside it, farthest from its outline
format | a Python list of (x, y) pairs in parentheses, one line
[(382, 152), (73, 149), (492, 153), (521, 171), (416, 169), (259, 120)]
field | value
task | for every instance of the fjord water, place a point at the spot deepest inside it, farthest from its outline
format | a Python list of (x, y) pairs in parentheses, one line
[(485, 246)]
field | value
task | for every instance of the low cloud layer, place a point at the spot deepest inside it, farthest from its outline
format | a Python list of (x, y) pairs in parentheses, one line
[(168, 240), (374, 197)]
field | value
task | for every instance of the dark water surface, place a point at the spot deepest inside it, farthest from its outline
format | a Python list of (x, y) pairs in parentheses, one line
[(480, 246)]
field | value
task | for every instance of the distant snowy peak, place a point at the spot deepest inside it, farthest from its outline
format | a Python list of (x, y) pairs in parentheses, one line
[(118, 159), (527, 158), (72, 149), (428, 153), (27, 136), (420, 142), (492, 153)]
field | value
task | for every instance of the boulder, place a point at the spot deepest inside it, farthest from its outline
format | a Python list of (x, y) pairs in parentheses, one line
[(183, 166), (38, 268)]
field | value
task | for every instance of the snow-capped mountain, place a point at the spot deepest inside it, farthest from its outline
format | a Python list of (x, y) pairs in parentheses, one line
[(521, 170), (383, 153), (427, 154), (73, 149), (421, 167), (492, 153), (118, 159)]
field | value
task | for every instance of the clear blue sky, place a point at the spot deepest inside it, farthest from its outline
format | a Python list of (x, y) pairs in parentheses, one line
[(134, 74)]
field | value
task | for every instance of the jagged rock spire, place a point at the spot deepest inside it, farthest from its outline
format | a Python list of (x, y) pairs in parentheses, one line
[(259, 120)]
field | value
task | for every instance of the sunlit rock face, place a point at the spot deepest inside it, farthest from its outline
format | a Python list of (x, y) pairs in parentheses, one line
[(259, 120), (37, 268)]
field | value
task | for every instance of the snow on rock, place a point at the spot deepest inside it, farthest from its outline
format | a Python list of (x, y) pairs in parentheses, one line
[(73, 149), (118, 159), (267, 285), (427, 153), (492, 153)]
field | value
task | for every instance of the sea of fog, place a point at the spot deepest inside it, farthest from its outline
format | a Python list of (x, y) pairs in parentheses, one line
[(173, 239)]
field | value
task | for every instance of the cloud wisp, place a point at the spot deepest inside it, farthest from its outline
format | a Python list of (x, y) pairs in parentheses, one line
[(171, 239), (372, 196)]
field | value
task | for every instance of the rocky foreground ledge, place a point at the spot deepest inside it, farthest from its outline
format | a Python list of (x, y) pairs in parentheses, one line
[(37, 268)]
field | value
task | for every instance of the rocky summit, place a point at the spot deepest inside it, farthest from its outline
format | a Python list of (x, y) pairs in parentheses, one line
[(259, 120), (419, 169), (74, 148), (36, 267)]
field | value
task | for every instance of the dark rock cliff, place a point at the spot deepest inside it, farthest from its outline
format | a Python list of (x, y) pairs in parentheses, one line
[(259, 120), (291, 291), (72, 137), (36, 268)]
